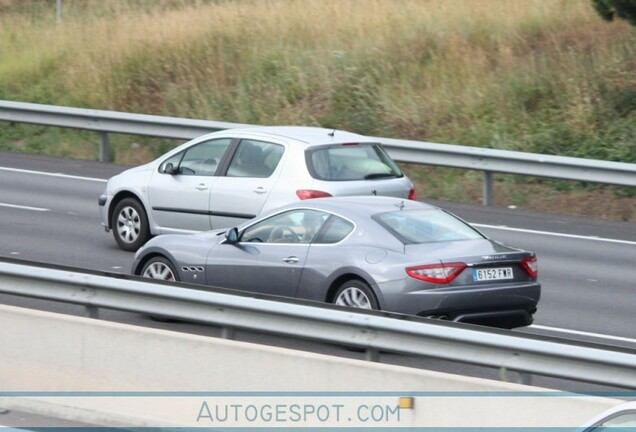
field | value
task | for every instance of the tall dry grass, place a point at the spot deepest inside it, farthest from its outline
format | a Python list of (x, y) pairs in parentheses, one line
[(536, 75), (545, 76)]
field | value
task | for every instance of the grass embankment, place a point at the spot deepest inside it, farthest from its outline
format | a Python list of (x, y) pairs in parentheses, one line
[(544, 76)]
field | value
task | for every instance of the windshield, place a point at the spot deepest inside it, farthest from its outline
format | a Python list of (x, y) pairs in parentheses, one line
[(426, 226), (352, 161)]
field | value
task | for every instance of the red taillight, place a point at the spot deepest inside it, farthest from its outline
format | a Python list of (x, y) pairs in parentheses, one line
[(530, 265), (442, 273), (304, 194), (412, 195)]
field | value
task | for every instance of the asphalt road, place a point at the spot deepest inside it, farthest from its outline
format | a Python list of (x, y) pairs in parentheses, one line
[(49, 213)]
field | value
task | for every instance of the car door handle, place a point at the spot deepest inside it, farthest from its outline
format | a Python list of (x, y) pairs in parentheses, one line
[(260, 190), (291, 260), (201, 187)]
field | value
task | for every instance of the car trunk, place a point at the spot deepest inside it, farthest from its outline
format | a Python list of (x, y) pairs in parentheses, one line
[(487, 261), (395, 187)]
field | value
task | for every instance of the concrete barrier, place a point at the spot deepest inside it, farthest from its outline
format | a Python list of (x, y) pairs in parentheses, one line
[(120, 375)]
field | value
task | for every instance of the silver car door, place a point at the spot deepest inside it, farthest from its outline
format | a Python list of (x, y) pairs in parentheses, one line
[(179, 191), (240, 194)]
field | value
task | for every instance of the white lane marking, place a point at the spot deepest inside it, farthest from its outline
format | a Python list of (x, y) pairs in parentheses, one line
[(582, 333), (501, 227), (52, 174), (24, 207), (505, 228)]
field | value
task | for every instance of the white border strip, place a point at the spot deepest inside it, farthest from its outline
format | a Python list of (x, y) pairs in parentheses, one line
[(23, 171), (21, 207), (499, 227), (582, 333), (574, 236)]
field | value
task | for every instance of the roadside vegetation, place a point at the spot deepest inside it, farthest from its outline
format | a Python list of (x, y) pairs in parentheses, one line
[(543, 76)]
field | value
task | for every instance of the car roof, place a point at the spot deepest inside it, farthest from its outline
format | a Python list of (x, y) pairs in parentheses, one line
[(306, 134), (624, 406)]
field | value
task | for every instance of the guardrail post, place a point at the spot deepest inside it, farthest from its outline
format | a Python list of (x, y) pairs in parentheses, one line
[(58, 11), (487, 189), (103, 148), (228, 333), (92, 312), (372, 355), (526, 378)]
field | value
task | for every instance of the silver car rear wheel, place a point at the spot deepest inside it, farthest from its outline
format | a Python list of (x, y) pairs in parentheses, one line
[(357, 294), (160, 268)]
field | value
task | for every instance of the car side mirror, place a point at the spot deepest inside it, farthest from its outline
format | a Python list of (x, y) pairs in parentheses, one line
[(232, 236), (169, 169)]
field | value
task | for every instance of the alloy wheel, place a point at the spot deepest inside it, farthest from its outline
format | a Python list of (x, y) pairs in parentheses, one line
[(159, 270), (128, 224), (353, 297)]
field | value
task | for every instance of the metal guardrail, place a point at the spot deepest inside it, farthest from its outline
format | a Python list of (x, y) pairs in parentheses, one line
[(107, 122), (488, 161), (373, 331)]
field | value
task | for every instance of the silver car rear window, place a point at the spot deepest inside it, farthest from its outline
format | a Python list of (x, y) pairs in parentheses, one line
[(352, 161), (426, 226)]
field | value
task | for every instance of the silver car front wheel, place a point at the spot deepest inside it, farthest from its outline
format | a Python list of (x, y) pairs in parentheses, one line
[(357, 294), (160, 268), (130, 224)]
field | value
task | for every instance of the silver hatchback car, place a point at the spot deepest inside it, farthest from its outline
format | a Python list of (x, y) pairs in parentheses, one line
[(224, 178)]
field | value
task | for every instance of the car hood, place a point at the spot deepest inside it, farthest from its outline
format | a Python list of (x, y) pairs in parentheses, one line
[(214, 235), (123, 179), (144, 167), (169, 241), (207, 237)]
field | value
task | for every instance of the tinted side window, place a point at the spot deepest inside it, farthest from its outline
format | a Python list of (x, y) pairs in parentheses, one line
[(426, 226), (336, 230), (255, 159), (294, 226), (201, 159), (351, 162)]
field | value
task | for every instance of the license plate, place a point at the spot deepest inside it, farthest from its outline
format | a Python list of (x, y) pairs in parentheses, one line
[(490, 274)]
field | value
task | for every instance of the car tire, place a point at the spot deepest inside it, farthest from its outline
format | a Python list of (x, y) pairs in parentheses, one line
[(356, 293), (161, 268), (130, 224), (157, 266)]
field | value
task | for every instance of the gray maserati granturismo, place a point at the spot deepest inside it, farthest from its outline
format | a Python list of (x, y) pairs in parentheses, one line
[(369, 252)]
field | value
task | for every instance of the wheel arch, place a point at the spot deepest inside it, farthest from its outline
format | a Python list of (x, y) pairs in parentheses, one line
[(142, 262), (121, 195), (154, 254), (348, 276)]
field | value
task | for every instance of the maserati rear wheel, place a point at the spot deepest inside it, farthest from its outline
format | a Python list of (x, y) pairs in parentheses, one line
[(356, 293)]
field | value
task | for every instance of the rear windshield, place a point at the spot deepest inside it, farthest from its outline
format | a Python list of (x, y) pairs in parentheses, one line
[(426, 226), (345, 162)]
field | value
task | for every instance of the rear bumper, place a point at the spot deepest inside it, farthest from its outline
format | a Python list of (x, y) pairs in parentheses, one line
[(505, 306), (502, 318)]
